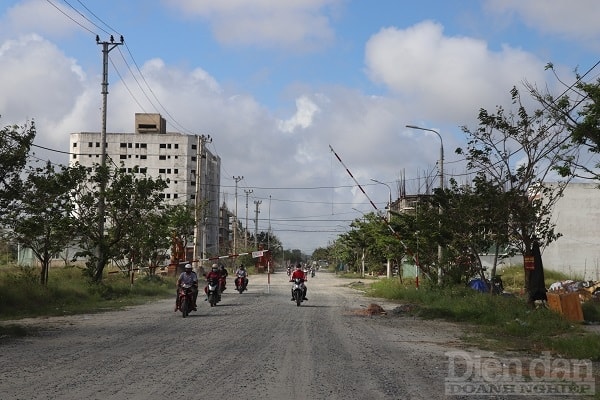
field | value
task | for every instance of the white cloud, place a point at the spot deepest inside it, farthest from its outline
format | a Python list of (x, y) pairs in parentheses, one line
[(577, 20), (449, 77), (305, 111), (290, 24), (38, 16), (37, 79)]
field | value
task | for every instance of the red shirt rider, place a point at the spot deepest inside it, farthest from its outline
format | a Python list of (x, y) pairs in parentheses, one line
[(298, 273), (213, 274)]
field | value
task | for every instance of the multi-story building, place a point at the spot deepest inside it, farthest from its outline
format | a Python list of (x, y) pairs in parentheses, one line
[(173, 156)]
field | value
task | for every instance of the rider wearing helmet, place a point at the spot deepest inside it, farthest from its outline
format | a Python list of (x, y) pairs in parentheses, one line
[(298, 273), (212, 274), (241, 274), (224, 274), (188, 277)]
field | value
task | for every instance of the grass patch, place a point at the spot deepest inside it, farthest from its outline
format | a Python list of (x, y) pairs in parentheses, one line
[(498, 322), (69, 292)]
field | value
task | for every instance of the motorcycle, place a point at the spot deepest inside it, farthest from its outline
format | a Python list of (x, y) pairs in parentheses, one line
[(312, 273), (298, 291), (289, 271), (241, 284), (212, 291), (185, 299)]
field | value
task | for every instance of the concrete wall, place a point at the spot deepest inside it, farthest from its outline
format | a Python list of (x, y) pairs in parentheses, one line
[(577, 217)]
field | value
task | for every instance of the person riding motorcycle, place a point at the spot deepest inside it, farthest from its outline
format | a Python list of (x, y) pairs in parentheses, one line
[(188, 277), (224, 274), (212, 274), (241, 274), (298, 273)]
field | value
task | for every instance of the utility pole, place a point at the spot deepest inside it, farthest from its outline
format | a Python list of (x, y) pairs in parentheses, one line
[(257, 203), (440, 210), (248, 192), (100, 254), (201, 140), (236, 179)]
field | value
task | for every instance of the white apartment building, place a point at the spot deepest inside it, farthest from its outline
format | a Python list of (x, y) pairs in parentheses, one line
[(173, 156)]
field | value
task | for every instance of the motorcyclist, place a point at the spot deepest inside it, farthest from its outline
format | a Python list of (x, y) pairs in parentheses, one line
[(298, 273), (212, 274), (241, 274), (188, 277), (224, 274)]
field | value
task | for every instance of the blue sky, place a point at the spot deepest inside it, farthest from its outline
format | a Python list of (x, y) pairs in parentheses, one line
[(276, 82)]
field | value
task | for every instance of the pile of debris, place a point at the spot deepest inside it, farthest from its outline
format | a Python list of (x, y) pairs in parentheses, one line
[(587, 290)]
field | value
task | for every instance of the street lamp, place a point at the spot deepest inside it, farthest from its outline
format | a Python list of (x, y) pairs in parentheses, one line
[(441, 188), (389, 218)]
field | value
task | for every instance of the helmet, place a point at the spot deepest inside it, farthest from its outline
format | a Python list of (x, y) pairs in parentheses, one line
[(214, 266), (242, 266), (188, 267), (298, 266)]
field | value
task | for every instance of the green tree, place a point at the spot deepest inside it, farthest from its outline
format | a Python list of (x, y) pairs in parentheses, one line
[(15, 144), (516, 152), (131, 203), (576, 111), (42, 218)]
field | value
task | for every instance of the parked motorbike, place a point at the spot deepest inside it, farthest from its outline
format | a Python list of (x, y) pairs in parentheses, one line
[(298, 291), (213, 292), (185, 299), (241, 284)]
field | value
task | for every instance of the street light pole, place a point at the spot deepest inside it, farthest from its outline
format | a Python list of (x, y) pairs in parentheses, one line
[(441, 188), (389, 219)]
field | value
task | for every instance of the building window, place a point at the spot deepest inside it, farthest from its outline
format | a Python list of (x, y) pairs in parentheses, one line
[(176, 145), (123, 156), (175, 196), (168, 170), (137, 145), (143, 145), (74, 156), (193, 147), (143, 157), (90, 144), (129, 145), (163, 146), (143, 170), (194, 158), (176, 171), (75, 144), (161, 170), (168, 145), (97, 144), (122, 145), (162, 157)]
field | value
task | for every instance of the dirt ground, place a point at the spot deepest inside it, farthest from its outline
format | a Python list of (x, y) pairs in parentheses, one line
[(255, 345)]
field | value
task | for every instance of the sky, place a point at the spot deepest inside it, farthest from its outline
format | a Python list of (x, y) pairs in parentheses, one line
[(287, 89)]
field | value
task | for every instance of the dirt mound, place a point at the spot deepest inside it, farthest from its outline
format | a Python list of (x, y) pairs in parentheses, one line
[(372, 309)]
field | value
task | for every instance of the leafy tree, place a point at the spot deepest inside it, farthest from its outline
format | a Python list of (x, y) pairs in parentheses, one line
[(576, 111), (15, 144), (475, 221), (516, 152), (181, 226), (42, 218), (130, 204)]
